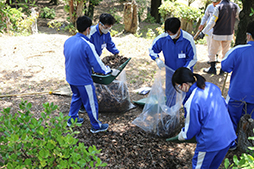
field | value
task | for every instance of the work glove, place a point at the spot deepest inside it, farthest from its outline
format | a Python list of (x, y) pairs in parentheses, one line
[(159, 63), (201, 35), (115, 72)]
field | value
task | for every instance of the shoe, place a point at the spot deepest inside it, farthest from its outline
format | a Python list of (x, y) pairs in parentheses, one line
[(104, 127), (233, 146), (82, 110), (210, 70), (79, 121), (221, 72)]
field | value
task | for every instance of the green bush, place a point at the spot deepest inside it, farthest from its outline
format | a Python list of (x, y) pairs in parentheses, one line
[(246, 160), (179, 10), (3, 16), (47, 13), (15, 16), (46, 142)]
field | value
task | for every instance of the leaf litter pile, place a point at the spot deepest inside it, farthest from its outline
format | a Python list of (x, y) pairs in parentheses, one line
[(113, 61)]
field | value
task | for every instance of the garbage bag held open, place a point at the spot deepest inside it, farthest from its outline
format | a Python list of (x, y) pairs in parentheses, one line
[(161, 113)]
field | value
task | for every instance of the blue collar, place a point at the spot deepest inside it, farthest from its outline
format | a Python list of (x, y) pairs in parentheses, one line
[(251, 43), (189, 92), (83, 36)]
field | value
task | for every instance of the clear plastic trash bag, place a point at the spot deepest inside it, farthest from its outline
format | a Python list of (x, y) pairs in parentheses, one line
[(114, 97), (161, 113)]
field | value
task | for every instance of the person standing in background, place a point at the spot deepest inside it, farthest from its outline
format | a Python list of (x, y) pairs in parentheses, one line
[(222, 22), (205, 19)]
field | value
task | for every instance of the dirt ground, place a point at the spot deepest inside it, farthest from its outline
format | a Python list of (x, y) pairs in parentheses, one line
[(35, 63)]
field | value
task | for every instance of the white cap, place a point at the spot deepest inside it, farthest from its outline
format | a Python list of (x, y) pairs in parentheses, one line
[(215, 0)]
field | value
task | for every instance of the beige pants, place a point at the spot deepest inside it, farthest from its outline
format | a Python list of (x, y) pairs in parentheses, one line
[(209, 43), (215, 48)]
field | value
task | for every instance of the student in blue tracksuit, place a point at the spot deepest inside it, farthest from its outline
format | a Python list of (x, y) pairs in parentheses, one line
[(206, 118), (80, 58), (178, 49), (100, 35), (240, 60), (178, 46)]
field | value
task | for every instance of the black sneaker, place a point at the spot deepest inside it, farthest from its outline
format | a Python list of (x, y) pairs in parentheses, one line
[(210, 70), (233, 146), (82, 109), (79, 121), (221, 72), (104, 127)]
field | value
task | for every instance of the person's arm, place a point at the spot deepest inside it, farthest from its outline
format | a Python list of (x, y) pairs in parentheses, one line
[(155, 49), (229, 61), (192, 123), (111, 47), (204, 19), (191, 54), (238, 12), (95, 61), (212, 21)]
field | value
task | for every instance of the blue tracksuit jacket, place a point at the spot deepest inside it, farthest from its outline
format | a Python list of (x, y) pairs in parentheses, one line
[(207, 118), (179, 54), (80, 58), (240, 60), (102, 40)]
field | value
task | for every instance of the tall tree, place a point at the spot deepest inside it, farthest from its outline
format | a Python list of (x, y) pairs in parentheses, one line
[(155, 4), (245, 19)]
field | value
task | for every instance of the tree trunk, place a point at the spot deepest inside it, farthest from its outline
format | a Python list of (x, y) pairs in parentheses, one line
[(72, 18), (245, 19), (155, 4), (131, 17), (90, 10), (80, 7)]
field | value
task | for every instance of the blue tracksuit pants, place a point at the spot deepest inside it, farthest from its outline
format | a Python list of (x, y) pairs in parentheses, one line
[(208, 160), (237, 109), (86, 95)]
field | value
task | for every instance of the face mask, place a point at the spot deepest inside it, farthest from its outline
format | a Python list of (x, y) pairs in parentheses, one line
[(174, 36), (105, 31)]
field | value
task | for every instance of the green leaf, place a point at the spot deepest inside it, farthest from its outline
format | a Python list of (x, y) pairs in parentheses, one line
[(28, 162), (235, 159)]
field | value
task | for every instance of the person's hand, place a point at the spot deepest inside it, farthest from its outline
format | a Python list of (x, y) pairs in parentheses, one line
[(201, 35), (200, 27), (159, 63), (115, 72)]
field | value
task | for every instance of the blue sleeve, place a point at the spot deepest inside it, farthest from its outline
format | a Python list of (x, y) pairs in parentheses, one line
[(192, 122), (155, 49), (95, 61), (191, 58), (111, 45), (228, 62)]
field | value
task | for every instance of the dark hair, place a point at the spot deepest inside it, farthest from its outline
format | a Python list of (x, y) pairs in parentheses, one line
[(83, 22), (185, 75), (107, 19), (250, 28), (172, 25)]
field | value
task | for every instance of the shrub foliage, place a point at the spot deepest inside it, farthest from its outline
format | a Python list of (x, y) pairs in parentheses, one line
[(46, 142)]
